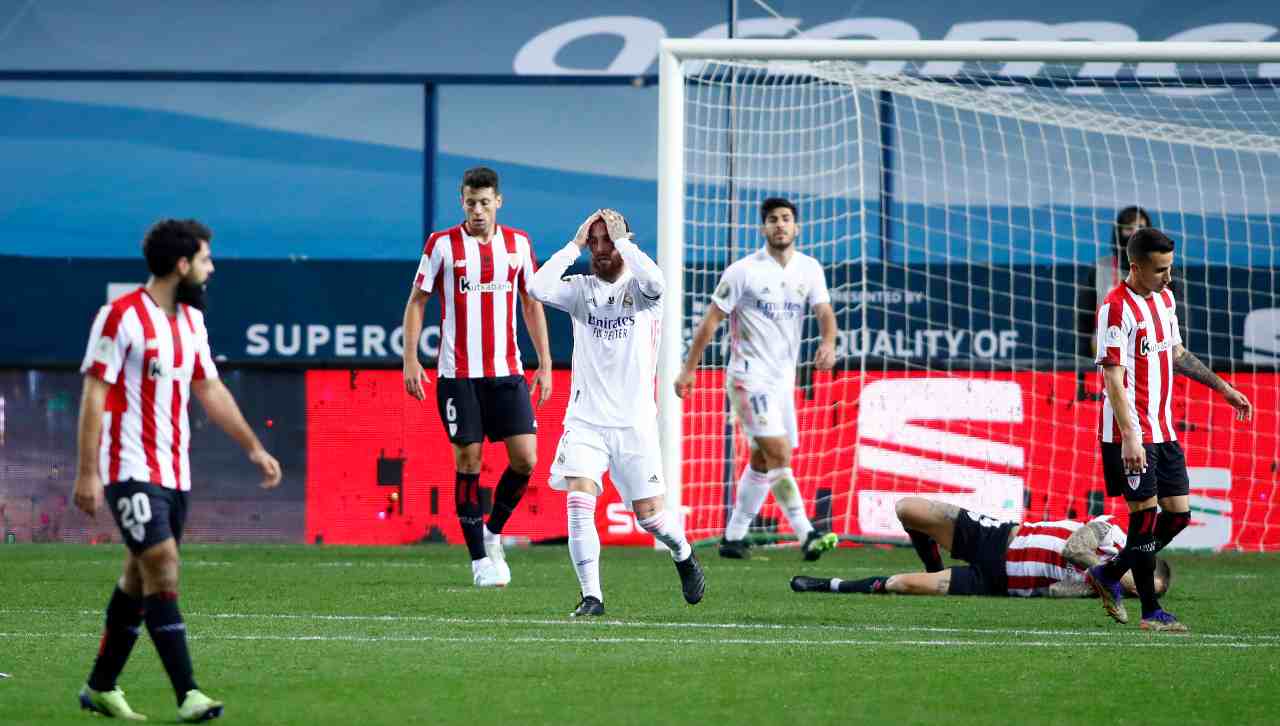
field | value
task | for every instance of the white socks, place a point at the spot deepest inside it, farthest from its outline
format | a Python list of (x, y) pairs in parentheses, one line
[(787, 494), (753, 487), (657, 526), (584, 543), (493, 545)]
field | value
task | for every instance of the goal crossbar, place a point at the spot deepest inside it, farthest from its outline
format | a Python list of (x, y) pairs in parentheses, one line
[(774, 54)]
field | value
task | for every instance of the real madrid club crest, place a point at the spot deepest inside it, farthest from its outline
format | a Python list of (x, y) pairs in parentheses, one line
[(628, 301)]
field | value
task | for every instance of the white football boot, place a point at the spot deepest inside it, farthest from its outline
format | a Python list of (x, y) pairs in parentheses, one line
[(486, 573), (493, 550)]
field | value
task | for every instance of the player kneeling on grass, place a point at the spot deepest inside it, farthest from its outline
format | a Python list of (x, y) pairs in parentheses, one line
[(611, 422), (1028, 559), (148, 351)]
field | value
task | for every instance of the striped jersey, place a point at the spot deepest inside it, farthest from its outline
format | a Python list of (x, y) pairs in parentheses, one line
[(1034, 559), (1139, 333), (150, 360), (478, 285)]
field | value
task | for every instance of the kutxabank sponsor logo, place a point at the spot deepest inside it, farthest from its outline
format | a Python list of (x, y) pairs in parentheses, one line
[(465, 285)]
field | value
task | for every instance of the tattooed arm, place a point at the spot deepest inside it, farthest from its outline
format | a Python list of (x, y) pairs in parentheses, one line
[(1186, 363), (1081, 548), (1070, 588)]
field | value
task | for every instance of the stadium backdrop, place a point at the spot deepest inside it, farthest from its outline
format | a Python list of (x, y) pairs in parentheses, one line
[(329, 201)]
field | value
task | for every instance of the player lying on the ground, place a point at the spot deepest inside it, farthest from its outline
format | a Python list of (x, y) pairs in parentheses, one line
[(1028, 559)]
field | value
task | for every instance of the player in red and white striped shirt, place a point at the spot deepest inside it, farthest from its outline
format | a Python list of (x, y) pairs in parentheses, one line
[(147, 351), (479, 269), (1028, 559), (1139, 350)]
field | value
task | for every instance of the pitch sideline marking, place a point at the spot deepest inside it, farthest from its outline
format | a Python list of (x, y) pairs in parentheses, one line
[(1171, 642), (829, 627)]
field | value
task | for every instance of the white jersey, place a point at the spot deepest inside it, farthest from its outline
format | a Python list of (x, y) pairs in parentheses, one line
[(615, 335), (150, 360), (766, 304)]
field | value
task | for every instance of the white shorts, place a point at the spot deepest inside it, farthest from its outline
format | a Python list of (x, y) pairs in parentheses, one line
[(631, 455), (764, 410)]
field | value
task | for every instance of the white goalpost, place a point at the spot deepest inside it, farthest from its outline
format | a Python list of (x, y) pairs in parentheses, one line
[(962, 197)]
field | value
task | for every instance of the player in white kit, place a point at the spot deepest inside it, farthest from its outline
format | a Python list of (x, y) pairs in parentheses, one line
[(611, 422), (765, 296)]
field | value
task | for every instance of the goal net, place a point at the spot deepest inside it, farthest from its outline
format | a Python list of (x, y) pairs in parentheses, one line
[(963, 202)]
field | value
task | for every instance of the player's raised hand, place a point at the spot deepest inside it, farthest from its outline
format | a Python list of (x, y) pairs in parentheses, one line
[(270, 467), (584, 230), (825, 358), (88, 493), (414, 378), (616, 223), (1240, 402), (542, 384), (684, 383)]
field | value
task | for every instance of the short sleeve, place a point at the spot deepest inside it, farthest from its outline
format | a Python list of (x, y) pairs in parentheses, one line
[(1173, 312), (108, 345), (729, 291), (1112, 333), (818, 292), (432, 261), (205, 368), (1114, 541), (529, 267)]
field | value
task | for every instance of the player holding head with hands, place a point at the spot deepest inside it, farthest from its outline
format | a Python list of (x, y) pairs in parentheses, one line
[(1139, 351), (480, 269), (765, 296), (611, 422), (148, 350)]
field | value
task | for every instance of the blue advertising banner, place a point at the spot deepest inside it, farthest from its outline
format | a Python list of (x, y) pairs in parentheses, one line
[(319, 312), (336, 170)]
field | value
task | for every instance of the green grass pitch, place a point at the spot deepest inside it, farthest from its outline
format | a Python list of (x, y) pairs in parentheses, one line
[(364, 636)]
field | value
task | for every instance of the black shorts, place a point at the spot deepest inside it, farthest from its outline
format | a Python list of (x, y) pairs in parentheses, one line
[(147, 514), (473, 409), (982, 542), (1166, 474)]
